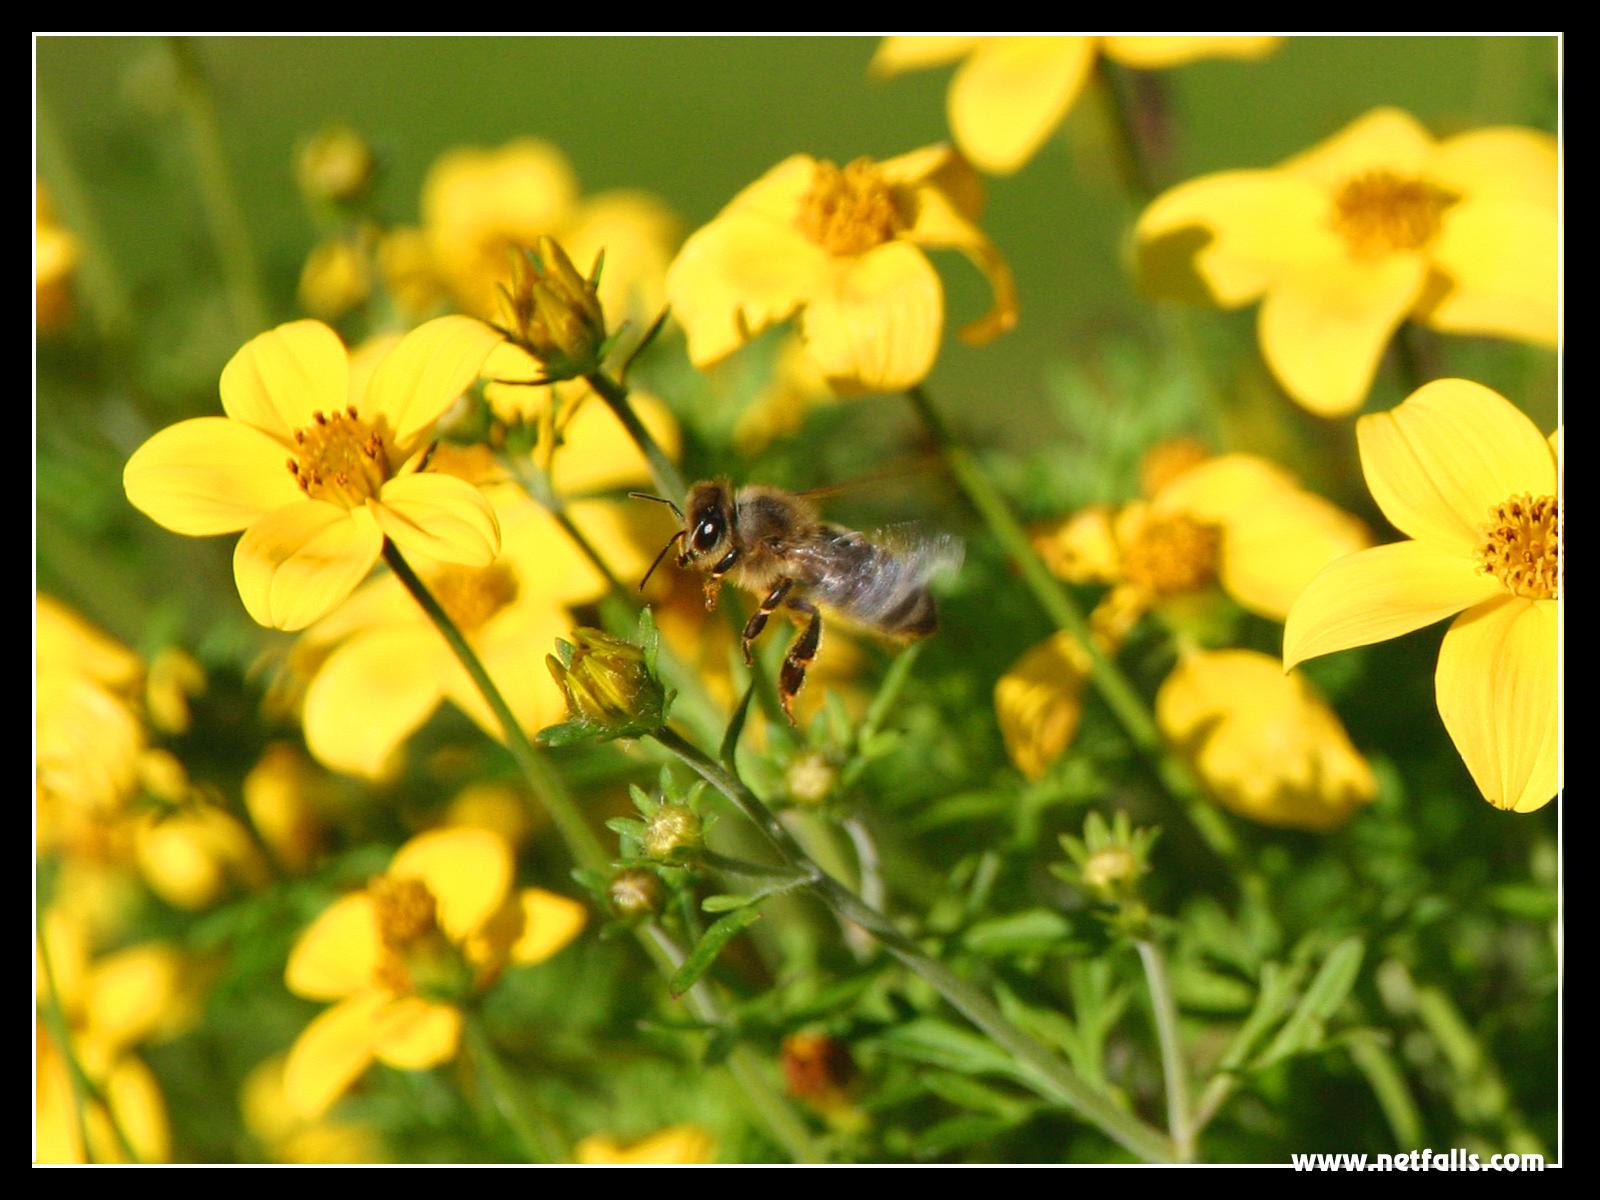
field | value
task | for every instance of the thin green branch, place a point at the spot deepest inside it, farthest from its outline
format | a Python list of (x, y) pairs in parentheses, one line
[(540, 1142), (668, 480), (1047, 1074), (1180, 1121)]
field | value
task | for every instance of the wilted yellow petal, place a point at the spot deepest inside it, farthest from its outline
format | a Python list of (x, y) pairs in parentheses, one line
[(424, 375), (294, 565), (209, 475), (339, 954), (467, 870), (281, 378), (1039, 703), (1499, 692), (1502, 262), (414, 1034), (940, 223), (549, 922), (1324, 330), (1012, 93), (331, 1053), (440, 517), (1376, 594), (1438, 463), (873, 324)]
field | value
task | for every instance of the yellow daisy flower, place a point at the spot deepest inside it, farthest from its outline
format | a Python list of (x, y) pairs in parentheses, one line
[(1468, 477), (1266, 745), (1345, 241), (1010, 93), (841, 250), (397, 958), (315, 476), (678, 1144)]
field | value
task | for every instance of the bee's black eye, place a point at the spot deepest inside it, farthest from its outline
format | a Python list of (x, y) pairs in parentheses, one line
[(708, 532)]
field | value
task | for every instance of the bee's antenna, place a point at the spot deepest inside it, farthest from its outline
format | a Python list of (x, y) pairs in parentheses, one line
[(677, 537), (678, 512)]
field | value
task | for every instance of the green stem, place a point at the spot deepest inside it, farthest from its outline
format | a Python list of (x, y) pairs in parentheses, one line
[(218, 195), (1132, 161), (669, 482), (547, 786), (1046, 1073), (84, 1090), (586, 850), (1180, 1123), (1119, 694), (539, 1140)]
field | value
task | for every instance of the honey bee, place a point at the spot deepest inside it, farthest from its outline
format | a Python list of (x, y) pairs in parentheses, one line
[(773, 543)]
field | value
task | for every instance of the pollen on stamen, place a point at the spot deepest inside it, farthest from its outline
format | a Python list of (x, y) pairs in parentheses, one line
[(850, 211), (1380, 212), (340, 458), (1521, 546)]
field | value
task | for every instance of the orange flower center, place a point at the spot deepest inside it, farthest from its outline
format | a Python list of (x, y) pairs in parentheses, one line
[(1380, 213), (340, 458), (1168, 459), (1170, 554), (1522, 546), (472, 595), (850, 211), (408, 928)]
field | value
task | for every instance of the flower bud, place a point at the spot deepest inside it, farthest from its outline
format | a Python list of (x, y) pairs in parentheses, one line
[(635, 893), (818, 1069), (554, 313), (336, 165), (608, 685), (673, 834)]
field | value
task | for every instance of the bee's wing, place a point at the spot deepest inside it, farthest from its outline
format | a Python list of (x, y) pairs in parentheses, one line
[(927, 553)]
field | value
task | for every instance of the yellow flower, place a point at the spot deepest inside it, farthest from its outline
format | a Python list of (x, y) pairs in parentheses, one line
[(1011, 93), (1475, 487), (337, 275), (477, 205), (389, 669), (286, 797), (782, 406), (1345, 241), (680, 1144), (841, 249), (398, 958), (334, 165), (55, 258), (316, 477), (1236, 520), (290, 1138), (1267, 747)]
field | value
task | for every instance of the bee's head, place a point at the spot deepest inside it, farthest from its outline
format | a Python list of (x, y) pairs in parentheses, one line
[(708, 525)]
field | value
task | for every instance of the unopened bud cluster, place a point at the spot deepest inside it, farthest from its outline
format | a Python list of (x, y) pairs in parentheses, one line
[(554, 313)]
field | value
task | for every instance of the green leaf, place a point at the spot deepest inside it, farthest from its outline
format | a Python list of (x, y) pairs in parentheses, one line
[(1034, 931), (725, 903), (960, 1131), (705, 953), (568, 732), (930, 1040), (730, 740), (627, 827), (1303, 1031)]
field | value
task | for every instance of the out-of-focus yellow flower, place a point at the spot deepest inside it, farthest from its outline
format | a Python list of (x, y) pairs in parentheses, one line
[(406, 264), (1347, 240), (1236, 520), (133, 1098), (337, 276), (288, 1137), (286, 797), (682, 1144), (192, 854), (55, 258), (1267, 747), (496, 807), (389, 668), (173, 679), (88, 733), (797, 386), (1010, 93), (316, 477), (841, 249), (477, 205), (1469, 479), (334, 165), (398, 958)]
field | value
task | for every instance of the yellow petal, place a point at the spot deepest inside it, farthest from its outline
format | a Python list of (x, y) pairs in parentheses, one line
[(1439, 462), (209, 475), (549, 922), (1150, 53), (467, 870), (1082, 548), (371, 694), (940, 223), (1324, 330), (339, 953), (513, 399), (873, 325), (505, 645), (1502, 163), (638, 234), (414, 1034), (424, 375), (908, 53), (739, 275), (1501, 266), (680, 1144), (1222, 239), (1384, 139), (597, 454), (281, 378), (331, 1053), (440, 517), (1499, 692), (136, 1102), (1376, 594), (296, 564), (1012, 94), (1039, 703), (134, 993), (1266, 745)]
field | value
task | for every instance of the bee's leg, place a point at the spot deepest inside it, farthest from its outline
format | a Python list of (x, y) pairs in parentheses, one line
[(799, 658), (758, 619), (714, 579)]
